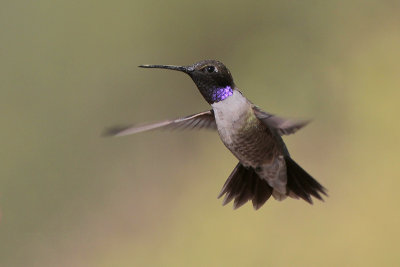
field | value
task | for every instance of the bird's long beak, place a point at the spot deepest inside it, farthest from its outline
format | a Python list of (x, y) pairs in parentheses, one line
[(169, 67)]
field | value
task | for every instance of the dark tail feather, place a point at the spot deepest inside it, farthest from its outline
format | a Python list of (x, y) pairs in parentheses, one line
[(301, 183), (243, 185)]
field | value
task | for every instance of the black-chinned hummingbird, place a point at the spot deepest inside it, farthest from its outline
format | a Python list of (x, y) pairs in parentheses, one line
[(253, 136)]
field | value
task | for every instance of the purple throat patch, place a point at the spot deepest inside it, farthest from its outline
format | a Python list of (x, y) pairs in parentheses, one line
[(220, 94)]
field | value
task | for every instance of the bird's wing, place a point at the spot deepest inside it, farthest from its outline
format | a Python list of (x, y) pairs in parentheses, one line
[(281, 125), (200, 120)]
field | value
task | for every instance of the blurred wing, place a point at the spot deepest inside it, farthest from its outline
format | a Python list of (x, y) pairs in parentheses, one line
[(200, 120), (282, 125)]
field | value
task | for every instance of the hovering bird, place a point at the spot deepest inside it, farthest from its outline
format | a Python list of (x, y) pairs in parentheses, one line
[(253, 136)]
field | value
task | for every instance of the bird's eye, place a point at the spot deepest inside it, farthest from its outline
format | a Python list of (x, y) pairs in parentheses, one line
[(210, 69)]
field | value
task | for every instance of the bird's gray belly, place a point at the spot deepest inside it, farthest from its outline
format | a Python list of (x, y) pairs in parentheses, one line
[(249, 140), (255, 146), (257, 149)]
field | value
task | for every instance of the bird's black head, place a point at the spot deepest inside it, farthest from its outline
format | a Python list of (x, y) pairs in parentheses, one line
[(211, 77)]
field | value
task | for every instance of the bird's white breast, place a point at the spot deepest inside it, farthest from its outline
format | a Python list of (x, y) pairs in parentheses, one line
[(231, 114)]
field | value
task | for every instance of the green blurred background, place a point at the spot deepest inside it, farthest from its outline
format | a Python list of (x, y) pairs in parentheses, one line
[(71, 198)]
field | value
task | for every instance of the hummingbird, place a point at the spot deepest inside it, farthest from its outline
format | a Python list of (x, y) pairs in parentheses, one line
[(253, 136)]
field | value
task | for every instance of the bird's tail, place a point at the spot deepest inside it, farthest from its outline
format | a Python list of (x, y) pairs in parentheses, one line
[(244, 184), (301, 184)]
